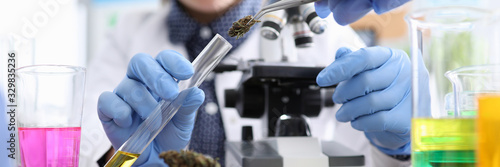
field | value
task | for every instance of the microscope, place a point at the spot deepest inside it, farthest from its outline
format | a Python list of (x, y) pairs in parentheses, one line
[(283, 93)]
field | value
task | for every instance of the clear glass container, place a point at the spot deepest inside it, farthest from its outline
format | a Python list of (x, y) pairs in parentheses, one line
[(444, 39), (49, 114), (476, 90)]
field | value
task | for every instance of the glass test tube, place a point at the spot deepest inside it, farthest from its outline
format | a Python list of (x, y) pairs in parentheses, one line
[(206, 61)]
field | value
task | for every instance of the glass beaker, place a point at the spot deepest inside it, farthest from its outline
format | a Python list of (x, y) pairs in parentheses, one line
[(477, 88), (469, 83), (50, 102), (488, 121), (443, 39)]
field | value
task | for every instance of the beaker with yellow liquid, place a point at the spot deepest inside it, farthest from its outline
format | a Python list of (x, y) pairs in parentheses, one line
[(444, 115), (475, 88), (479, 87), (488, 145)]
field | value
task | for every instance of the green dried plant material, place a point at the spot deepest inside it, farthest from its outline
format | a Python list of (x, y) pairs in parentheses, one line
[(187, 159), (240, 27)]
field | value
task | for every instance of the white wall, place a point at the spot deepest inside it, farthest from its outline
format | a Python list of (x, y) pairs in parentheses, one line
[(57, 27), (487, 4)]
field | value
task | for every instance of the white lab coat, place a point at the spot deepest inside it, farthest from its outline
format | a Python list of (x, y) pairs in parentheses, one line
[(147, 33)]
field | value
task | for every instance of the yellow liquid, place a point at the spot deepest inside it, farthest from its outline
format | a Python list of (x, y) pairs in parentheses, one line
[(443, 142), (488, 129), (122, 159)]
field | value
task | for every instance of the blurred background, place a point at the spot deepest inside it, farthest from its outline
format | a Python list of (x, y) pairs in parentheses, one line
[(71, 31), (65, 31)]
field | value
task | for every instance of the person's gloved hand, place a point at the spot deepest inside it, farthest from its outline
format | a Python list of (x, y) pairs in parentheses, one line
[(374, 87), (348, 11), (148, 81)]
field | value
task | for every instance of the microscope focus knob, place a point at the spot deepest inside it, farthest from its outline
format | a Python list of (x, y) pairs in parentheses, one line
[(231, 97), (311, 102), (248, 100), (246, 133), (328, 100)]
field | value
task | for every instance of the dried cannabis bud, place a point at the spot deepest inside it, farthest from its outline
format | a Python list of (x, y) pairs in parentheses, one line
[(187, 159), (240, 27)]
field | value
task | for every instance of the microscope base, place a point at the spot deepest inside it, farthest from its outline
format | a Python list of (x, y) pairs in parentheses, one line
[(290, 152)]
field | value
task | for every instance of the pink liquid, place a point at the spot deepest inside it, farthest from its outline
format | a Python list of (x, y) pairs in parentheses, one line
[(49, 147)]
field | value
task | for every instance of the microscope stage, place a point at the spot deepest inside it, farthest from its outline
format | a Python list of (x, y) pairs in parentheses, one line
[(290, 152)]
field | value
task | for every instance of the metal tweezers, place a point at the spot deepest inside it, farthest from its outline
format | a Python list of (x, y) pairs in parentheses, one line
[(282, 4)]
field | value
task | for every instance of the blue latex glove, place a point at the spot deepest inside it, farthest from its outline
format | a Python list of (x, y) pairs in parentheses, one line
[(147, 81), (348, 11), (374, 87)]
